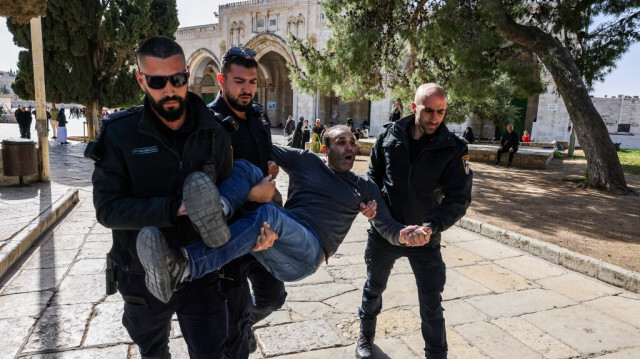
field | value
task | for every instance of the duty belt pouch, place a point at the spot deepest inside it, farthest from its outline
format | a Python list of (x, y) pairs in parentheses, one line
[(111, 276)]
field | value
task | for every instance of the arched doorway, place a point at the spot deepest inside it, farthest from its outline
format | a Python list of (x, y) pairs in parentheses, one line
[(274, 89), (209, 88), (204, 67)]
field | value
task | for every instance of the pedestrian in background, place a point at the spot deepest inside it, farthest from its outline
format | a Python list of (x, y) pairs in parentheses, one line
[(469, 136), (306, 132), (289, 129), (62, 127), (54, 120), (396, 110), (509, 143), (297, 135)]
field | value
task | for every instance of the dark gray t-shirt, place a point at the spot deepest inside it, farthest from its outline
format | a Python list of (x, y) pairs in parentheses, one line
[(328, 200)]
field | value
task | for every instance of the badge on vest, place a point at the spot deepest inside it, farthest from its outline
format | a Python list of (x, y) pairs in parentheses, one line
[(144, 150), (465, 164)]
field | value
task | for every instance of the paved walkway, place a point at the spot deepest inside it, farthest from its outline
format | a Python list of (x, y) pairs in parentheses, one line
[(500, 302)]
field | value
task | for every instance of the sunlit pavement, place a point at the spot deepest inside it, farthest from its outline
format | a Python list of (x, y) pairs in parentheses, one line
[(500, 302)]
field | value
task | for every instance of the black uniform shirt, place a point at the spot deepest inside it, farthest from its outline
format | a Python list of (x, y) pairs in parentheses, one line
[(243, 142), (178, 137), (415, 146)]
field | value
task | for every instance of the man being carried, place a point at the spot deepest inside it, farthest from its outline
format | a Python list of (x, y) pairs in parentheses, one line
[(309, 229)]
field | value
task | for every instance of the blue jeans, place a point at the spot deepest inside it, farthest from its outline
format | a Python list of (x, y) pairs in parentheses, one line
[(430, 273), (296, 254)]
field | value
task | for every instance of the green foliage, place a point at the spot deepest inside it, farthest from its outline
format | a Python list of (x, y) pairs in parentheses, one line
[(385, 46), (89, 48), (393, 46), (596, 32), (22, 11), (630, 160)]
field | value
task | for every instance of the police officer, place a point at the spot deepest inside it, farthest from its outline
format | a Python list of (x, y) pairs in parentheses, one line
[(252, 142), (423, 172), (143, 157)]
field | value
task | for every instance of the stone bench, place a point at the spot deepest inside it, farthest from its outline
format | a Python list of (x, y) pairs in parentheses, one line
[(364, 146), (526, 157)]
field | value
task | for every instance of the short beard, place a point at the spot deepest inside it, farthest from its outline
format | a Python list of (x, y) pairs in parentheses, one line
[(171, 115), (233, 102)]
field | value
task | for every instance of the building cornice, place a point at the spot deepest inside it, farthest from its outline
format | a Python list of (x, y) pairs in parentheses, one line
[(197, 31)]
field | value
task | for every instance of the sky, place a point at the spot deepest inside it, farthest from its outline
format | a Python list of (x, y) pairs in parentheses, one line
[(622, 80)]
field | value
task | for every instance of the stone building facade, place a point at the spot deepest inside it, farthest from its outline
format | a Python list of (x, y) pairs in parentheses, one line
[(264, 26), (621, 115), (547, 119)]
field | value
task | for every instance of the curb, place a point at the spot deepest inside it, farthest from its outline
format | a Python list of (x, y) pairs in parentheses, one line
[(580, 263), (24, 239)]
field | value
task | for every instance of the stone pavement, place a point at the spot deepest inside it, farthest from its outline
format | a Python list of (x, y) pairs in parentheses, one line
[(500, 302)]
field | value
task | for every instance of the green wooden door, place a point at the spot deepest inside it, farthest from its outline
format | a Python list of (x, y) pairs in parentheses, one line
[(208, 97)]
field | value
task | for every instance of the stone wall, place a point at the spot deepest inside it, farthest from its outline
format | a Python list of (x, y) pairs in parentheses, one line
[(527, 157), (380, 110), (553, 124)]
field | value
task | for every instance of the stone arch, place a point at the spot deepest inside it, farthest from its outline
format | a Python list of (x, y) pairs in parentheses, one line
[(207, 80), (264, 43), (203, 66), (198, 59), (274, 88)]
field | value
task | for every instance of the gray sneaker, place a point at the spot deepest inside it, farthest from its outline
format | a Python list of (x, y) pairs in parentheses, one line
[(163, 267), (202, 202)]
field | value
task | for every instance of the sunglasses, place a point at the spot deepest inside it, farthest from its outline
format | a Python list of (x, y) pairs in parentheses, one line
[(159, 82), (238, 51)]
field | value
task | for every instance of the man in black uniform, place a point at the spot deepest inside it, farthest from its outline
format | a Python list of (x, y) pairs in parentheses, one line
[(23, 117), (423, 172), (509, 142), (252, 142), (142, 159)]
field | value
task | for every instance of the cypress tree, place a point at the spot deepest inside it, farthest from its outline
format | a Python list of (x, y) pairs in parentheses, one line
[(89, 51)]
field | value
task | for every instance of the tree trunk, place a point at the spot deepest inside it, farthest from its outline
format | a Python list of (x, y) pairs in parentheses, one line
[(604, 169), (93, 120)]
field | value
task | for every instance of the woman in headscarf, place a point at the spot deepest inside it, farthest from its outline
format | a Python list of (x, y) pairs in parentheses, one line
[(297, 135)]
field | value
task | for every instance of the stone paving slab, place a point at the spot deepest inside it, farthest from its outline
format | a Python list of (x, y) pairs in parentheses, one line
[(535, 338), (47, 203), (586, 330), (60, 327), (519, 302), (499, 300), (309, 335), (118, 351), (494, 341)]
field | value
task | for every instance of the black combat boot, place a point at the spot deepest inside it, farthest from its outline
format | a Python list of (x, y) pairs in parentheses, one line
[(364, 347)]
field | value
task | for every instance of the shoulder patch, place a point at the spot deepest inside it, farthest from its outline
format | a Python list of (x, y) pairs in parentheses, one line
[(465, 164)]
